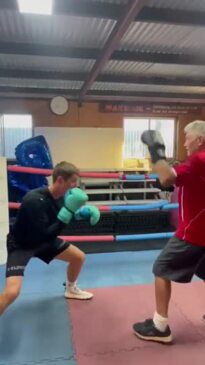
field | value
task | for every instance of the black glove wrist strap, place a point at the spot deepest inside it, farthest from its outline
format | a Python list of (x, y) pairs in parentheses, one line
[(70, 211), (157, 154)]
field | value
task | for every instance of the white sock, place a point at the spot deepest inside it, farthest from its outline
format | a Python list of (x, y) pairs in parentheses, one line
[(71, 284), (160, 322)]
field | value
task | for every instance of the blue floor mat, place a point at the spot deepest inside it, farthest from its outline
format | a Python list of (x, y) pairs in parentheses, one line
[(118, 269), (35, 330)]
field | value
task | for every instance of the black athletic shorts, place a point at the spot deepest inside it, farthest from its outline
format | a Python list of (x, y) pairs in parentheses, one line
[(179, 261), (18, 257)]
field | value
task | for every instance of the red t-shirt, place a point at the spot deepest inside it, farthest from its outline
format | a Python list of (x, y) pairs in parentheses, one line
[(190, 178)]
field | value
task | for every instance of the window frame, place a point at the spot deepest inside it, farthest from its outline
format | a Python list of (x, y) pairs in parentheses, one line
[(32, 132), (149, 123)]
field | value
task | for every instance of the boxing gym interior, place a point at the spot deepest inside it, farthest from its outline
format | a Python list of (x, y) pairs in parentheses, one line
[(80, 80)]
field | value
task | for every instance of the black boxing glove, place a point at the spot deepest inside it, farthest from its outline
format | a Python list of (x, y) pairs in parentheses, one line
[(169, 189), (155, 144)]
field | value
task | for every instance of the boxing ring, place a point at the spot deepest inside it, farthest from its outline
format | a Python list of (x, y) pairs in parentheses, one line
[(99, 332), (162, 205)]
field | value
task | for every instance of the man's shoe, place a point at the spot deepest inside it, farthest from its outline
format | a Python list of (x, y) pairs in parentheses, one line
[(73, 292), (147, 331)]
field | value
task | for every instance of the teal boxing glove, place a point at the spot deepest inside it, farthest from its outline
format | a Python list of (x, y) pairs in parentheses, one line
[(65, 215), (88, 212), (73, 200)]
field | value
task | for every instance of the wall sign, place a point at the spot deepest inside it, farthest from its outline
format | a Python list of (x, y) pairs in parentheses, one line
[(145, 108)]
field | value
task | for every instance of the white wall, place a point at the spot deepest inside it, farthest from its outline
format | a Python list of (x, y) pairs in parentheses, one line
[(85, 147), (4, 213)]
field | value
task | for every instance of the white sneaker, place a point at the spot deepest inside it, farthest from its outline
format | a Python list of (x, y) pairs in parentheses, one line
[(73, 292)]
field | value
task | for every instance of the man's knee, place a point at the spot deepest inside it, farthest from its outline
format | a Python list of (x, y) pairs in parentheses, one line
[(72, 255), (79, 257)]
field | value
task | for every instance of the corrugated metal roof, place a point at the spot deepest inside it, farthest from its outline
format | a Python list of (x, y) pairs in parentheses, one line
[(126, 67), (51, 84), (45, 63), (139, 68), (58, 29), (179, 4), (75, 31), (111, 1), (146, 88), (166, 38), (176, 70), (170, 4)]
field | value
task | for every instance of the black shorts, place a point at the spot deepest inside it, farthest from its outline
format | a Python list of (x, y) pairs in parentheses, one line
[(19, 257), (179, 261)]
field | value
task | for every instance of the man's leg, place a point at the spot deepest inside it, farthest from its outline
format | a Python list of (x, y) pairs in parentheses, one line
[(177, 262), (162, 295), (75, 257), (156, 328), (11, 292), (16, 263)]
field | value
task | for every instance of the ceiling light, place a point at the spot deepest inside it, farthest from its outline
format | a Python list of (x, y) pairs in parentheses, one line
[(36, 6)]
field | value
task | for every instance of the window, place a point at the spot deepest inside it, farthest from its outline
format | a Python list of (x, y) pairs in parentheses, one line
[(14, 129), (133, 128)]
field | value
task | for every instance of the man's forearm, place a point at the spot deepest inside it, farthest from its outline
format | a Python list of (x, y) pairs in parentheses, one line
[(167, 177), (54, 229)]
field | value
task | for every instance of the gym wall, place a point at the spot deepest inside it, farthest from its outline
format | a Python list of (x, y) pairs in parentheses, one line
[(84, 135)]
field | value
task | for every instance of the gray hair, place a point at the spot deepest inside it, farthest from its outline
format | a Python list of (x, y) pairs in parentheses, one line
[(197, 127)]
